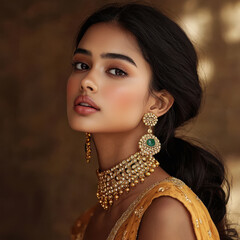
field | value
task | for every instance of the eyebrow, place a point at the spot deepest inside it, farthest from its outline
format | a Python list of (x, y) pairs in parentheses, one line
[(107, 55)]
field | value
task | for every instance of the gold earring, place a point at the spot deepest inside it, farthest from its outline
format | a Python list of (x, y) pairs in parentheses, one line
[(149, 144), (88, 147)]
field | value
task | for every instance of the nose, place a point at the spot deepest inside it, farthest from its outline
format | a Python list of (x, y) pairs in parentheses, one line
[(88, 84)]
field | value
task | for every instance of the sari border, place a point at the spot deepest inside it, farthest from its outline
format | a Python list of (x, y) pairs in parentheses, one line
[(131, 207)]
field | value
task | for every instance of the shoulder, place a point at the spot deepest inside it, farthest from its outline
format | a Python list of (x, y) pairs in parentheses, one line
[(166, 218)]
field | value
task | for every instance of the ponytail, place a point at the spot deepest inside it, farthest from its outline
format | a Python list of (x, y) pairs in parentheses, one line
[(204, 173)]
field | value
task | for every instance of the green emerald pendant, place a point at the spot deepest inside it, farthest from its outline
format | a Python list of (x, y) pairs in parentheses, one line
[(151, 142)]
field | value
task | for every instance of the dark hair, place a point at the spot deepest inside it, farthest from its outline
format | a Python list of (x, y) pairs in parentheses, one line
[(173, 61)]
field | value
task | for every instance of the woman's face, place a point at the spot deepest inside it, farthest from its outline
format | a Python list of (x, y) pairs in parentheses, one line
[(118, 86)]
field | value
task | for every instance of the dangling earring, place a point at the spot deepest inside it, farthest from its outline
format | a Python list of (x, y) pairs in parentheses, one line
[(149, 144), (88, 147)]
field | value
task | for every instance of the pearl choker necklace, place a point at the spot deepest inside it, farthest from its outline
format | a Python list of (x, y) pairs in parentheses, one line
[(113, 182)]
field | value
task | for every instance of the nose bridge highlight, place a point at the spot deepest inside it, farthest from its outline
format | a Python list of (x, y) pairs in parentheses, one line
[(88, 82)]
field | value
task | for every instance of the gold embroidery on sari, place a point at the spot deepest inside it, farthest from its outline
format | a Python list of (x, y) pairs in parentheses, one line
[(129, 210)]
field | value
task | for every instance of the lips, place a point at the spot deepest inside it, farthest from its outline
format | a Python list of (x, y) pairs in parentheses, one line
[(85, 99)]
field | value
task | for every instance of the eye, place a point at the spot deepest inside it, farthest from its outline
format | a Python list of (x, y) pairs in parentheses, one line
[(80, 66), (117, 72)]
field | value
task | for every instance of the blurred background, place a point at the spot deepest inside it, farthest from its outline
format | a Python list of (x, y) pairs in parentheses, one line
[(44, 180)]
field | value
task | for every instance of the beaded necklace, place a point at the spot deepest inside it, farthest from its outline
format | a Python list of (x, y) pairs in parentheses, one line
[(113, 182)]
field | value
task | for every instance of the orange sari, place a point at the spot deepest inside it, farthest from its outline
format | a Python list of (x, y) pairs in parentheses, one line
[(126, 227)]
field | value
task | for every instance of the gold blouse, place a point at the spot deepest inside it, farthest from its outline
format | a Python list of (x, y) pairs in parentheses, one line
[(126, 227)]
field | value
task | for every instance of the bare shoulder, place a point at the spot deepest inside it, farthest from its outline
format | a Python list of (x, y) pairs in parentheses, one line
[(166, 218)]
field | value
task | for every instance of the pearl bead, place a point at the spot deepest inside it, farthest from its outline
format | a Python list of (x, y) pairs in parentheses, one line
[(113, 182)]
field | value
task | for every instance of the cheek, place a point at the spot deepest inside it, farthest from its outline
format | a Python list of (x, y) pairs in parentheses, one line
[(123, 98)]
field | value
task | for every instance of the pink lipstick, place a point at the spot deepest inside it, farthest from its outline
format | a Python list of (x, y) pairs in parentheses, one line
[(84, 105)]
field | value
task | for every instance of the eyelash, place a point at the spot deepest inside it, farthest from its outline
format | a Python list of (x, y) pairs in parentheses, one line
[(74, 64)]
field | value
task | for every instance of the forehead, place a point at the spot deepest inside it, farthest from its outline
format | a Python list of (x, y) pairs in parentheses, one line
[(110, 37)]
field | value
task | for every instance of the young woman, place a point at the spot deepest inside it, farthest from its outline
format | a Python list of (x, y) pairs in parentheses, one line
[(134, 82)]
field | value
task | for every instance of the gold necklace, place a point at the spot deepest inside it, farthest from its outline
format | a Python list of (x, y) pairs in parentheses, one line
[(113, 182)]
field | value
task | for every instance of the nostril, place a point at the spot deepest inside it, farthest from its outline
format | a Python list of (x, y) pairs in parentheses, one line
[(90, 88)]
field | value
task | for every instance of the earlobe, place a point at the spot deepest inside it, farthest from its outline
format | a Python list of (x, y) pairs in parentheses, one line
[(162, 102)]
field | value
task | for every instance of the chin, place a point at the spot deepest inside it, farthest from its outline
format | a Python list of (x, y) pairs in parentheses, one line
[(80, 127), (75, 125), (75, 128)]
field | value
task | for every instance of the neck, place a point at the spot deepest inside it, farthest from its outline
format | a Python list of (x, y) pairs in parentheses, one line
[(112, 148)]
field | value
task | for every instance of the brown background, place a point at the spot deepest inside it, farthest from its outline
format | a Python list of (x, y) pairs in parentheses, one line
[(44, 182)]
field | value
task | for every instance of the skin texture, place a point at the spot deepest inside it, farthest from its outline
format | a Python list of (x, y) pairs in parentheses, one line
[(121, 90), (122, 100), (166, 218)]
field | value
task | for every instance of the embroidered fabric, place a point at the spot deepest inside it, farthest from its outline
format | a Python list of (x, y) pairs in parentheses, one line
[(126, 227)]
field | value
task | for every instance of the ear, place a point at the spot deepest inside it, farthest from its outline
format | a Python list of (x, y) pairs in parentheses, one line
[(160, 103)]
